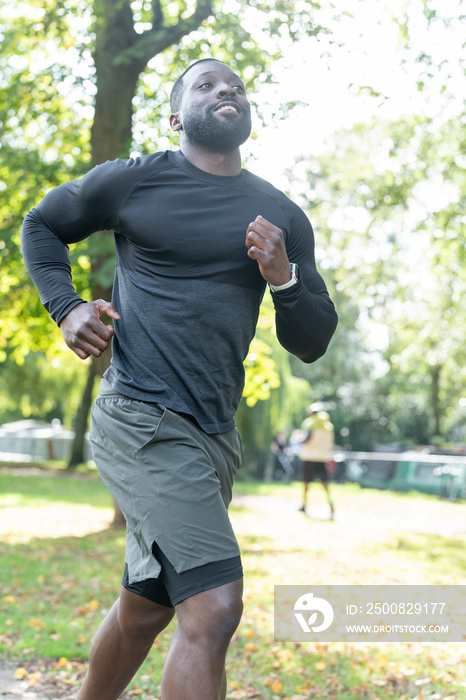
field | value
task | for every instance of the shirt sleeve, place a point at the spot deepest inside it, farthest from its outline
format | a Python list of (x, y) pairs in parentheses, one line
[(304, 313), (67, 214)]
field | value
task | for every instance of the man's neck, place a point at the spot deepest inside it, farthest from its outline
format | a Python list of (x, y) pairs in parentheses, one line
[(214, 163)]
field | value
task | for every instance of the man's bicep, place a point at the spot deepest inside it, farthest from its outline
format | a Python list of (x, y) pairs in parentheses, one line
[(75, 210)]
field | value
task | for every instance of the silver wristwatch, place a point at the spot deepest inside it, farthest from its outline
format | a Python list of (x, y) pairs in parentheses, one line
[(294, 278)]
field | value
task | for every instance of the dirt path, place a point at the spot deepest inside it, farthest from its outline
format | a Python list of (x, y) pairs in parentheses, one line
[(357, 547), (9, 687), (41, 683), (368, 517), (17, 689)]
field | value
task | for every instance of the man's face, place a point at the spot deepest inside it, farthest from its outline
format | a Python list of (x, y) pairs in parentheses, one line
[(215, 112)]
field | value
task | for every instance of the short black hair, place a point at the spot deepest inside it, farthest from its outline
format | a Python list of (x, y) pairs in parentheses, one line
[(177, 89)]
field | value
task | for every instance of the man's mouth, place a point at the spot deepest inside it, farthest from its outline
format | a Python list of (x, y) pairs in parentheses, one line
[(228, 108)]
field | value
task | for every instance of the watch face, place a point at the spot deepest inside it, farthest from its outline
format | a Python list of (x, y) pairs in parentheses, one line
[(295, 271)]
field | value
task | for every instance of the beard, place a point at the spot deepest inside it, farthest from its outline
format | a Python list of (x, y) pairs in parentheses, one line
[(219, 135)]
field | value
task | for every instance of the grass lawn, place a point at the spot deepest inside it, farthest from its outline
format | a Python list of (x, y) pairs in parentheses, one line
[(61, 570)]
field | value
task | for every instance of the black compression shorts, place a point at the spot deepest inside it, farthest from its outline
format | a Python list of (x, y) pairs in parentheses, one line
[(171, 588)]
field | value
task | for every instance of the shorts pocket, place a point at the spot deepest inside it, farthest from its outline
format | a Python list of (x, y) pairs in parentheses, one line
[(122, 425)]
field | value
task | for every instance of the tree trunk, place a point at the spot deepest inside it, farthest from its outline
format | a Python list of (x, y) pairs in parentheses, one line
[(118, 521), (120, 56), (82, 416)]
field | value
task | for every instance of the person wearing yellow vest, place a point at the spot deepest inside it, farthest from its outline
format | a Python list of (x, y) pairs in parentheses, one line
[(316, 450)]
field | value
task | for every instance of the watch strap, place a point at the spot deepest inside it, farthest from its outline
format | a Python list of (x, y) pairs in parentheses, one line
[(290, 283)]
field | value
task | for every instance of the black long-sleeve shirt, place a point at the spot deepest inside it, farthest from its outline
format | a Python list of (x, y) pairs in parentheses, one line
[(187, 292)]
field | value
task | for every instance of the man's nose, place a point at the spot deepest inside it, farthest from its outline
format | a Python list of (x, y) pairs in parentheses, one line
[(226, 90)]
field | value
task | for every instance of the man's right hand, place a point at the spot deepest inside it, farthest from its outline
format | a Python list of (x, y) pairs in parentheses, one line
[(84, 332)]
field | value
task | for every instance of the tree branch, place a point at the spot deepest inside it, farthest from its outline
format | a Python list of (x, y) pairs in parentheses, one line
[(157, 14), (155, 40)]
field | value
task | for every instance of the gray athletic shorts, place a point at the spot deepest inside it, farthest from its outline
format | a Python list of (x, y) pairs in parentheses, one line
[(172, 481)]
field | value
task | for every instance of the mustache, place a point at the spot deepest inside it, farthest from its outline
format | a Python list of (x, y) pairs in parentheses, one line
[(229, 100)]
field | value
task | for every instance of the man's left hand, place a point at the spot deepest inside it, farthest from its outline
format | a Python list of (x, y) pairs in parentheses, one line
[(266, 245)]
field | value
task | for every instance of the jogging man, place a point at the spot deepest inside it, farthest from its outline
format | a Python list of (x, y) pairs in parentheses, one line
[(197, 241)]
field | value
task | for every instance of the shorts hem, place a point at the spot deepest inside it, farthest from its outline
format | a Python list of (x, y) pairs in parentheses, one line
[(181, 569), (127, 587), (205, 587), (208, 559)]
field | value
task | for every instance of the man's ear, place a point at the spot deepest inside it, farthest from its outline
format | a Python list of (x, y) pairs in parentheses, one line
[(175, 122)]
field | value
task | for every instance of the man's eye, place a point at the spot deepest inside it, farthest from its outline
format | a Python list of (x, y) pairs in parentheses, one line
[(205, 84), (238, 87)]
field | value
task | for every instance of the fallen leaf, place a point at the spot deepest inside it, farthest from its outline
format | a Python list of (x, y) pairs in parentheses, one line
[(33, 678), (36, 623), (285, 655), (88, 607), (20, 673), (382, 661)]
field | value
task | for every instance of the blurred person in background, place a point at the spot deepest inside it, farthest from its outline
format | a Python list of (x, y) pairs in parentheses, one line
[(315, 452), (280, 450)]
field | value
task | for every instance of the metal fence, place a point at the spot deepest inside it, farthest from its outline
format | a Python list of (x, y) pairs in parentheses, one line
[(444, 475)]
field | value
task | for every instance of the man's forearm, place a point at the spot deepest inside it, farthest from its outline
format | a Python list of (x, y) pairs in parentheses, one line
[(47, 261), (305, 322)]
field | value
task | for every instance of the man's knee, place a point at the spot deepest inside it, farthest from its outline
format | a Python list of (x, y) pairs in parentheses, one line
[(214, 614), (226, 611), (141, 618)]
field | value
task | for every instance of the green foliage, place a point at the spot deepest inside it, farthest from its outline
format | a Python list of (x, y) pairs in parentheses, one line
[(44, 143), (274, 398), (261, 375), (389, 199), (40, 388)]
